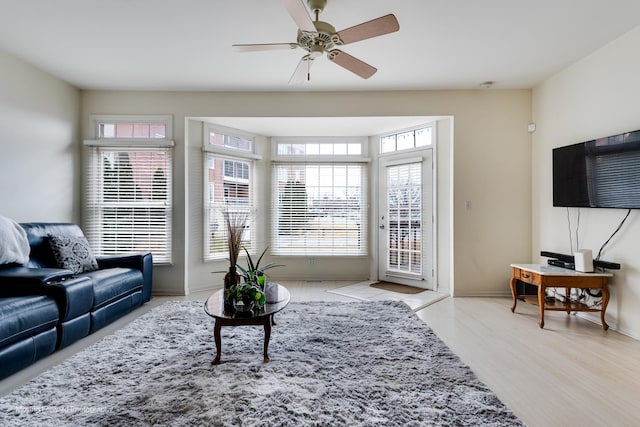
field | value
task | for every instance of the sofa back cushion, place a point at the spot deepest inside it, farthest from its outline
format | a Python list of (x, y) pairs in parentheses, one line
[(38, 235)]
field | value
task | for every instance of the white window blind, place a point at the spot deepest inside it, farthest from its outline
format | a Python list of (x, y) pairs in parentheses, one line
[(319, 209), (228, 187), (129, 201)]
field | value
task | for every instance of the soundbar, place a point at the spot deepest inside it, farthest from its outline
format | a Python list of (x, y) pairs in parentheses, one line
[(568, 261)]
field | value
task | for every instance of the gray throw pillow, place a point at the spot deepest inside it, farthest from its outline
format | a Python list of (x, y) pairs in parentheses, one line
[(73, 253)]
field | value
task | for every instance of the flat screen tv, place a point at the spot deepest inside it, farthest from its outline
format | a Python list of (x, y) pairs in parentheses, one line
[(602, 173)]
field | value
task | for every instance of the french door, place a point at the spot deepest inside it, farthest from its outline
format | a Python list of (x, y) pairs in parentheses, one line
[(405, 219)]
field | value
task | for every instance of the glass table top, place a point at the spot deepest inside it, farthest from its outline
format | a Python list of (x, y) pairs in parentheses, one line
[(277, 298)]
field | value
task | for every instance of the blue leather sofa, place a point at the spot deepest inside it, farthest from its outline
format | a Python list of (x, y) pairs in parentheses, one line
[(33, 294), (28, 331)]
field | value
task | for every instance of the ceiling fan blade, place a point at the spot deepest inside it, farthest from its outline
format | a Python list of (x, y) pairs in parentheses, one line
[(302, 70), (351, 63), (264, 46), (376, 27), (300, 15)]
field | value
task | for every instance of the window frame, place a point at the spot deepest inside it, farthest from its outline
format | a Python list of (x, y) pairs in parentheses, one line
[(297, 158), (212, 152), (99, 119), (279, 247), (431, 125), (97, 144)]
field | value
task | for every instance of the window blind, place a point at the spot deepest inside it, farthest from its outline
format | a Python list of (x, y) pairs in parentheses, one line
[(128, 201), (319, 209), (228, 187)]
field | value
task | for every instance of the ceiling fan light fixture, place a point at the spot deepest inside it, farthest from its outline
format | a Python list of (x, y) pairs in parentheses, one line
[(316, 50)]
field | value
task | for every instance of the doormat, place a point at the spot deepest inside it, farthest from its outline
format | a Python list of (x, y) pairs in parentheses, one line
[(394, 287)]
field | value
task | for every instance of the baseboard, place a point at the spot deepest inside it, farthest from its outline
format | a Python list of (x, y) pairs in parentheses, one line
[(165, 293), (487, 294), (595, 319)]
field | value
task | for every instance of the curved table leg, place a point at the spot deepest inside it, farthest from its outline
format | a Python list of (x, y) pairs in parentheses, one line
[(216, 335), (541, 294), (512, 285), (605, 302), (267, 336)]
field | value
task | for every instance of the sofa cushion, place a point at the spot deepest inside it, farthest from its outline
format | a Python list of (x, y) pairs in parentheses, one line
[(113, 283), (73, 253), (37, 232), (14, 245), (23, 317)]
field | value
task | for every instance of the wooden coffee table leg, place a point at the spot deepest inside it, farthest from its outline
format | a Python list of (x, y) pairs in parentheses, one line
[(216, 336), (267, 336)]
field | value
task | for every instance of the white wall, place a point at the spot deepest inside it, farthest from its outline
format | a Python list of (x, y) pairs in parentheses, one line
[(596, 97), (39, 145), (491, 161)]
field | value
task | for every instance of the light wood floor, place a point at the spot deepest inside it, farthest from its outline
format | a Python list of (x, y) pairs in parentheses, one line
[(571, 373)]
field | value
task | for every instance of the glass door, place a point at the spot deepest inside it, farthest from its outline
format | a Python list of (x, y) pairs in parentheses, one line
[(406, 220)]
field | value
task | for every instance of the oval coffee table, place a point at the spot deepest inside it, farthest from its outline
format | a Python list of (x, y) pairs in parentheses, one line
[(277, 298)]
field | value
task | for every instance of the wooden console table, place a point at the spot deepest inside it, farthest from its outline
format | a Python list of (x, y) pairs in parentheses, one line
[(547, 276)]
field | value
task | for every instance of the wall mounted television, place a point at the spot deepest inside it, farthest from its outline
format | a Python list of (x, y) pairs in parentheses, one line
[(602, 173)]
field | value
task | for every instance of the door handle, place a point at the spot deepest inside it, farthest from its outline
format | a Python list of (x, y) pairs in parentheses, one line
[(381, 227)]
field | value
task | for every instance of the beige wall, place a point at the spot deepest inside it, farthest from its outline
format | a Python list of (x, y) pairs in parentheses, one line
[(491, 168), (596, 97), (39, 144)]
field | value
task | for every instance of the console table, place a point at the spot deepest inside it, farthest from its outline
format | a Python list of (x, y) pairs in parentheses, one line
[(546, 276)]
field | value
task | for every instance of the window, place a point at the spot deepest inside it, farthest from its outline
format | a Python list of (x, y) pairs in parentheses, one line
[(128, 192), (319, 204), (226, 138), (228, 187), (407, 140)]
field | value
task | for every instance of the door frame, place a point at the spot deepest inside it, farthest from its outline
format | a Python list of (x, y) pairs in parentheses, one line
[(429, 280)]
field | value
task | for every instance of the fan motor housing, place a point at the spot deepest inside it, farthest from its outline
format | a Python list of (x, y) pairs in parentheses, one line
[(326, 37)]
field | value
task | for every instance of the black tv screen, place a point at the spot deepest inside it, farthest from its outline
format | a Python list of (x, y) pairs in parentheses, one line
[(602, 173)]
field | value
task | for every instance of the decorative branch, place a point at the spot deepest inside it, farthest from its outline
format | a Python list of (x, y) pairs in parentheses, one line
[(236, 222)]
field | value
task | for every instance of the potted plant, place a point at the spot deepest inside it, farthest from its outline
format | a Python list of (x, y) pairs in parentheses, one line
[(254, 273), (246, 296)]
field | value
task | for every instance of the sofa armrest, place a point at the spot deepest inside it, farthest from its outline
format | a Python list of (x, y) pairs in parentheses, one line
[(141, 261), (73, 295), (30, 277)]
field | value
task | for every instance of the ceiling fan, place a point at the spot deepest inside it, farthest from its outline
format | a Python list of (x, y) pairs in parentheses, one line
[(318, 37)]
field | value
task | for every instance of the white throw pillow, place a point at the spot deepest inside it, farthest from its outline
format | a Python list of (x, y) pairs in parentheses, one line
[(14, 245)]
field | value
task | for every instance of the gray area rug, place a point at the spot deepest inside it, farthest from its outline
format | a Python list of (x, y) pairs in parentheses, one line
[(332, 364)]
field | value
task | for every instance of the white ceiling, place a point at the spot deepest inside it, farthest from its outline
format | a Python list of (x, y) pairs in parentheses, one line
[(186, 44)]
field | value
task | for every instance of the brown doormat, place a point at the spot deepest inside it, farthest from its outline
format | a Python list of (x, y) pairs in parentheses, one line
[(394, 287)]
